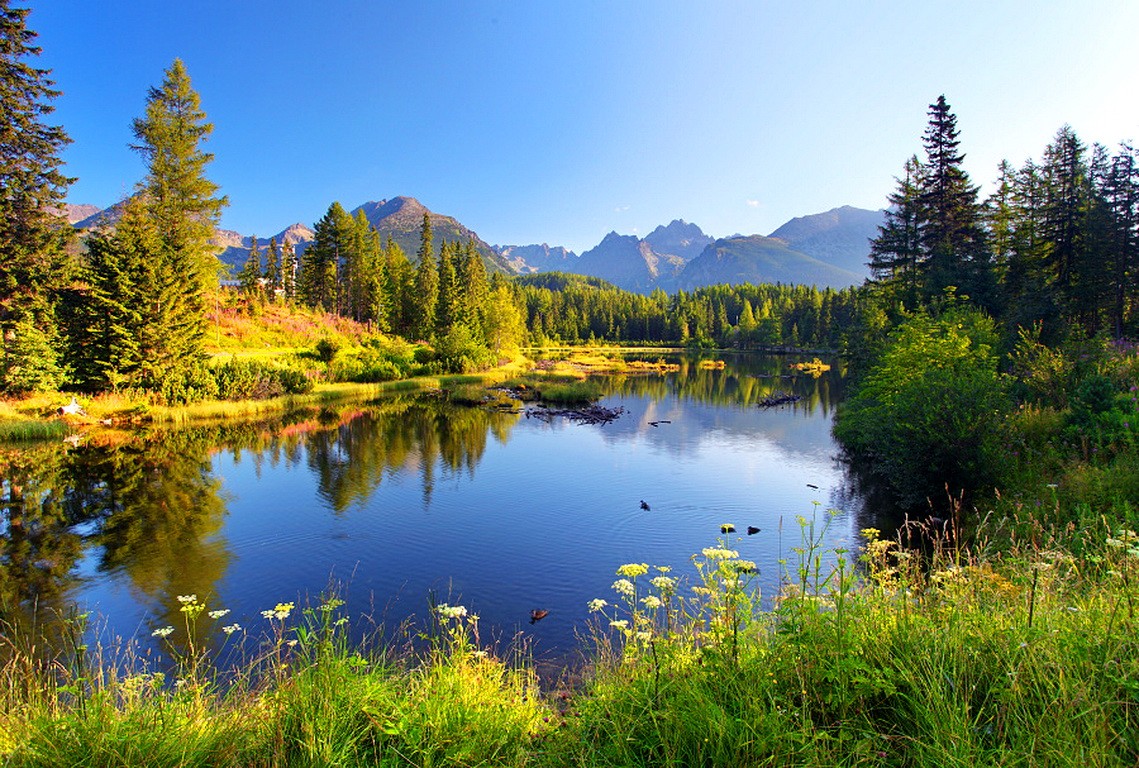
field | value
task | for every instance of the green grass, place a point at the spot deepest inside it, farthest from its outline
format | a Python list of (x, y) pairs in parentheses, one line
[(951, 657), (569, 392), (17, 430)]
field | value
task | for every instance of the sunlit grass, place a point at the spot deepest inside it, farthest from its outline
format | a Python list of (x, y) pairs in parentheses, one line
[(933, 656)]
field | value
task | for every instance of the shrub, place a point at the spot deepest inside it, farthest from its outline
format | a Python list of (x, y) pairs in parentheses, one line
[(252, 380), (459, 352), (929, 414), (326, 349)]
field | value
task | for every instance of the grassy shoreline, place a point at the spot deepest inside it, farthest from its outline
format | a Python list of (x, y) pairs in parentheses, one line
[(956, 656), (37, 416)]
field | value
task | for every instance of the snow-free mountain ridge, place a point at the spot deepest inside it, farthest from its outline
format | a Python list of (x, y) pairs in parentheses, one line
[(828, 249)]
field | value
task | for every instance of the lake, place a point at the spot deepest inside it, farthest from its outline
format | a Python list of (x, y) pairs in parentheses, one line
[(411, 498)]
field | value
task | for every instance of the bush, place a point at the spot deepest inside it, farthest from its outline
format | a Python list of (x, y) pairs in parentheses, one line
[(459, 352), (253, 380), (930, 413), (380, 359), (326, 349)]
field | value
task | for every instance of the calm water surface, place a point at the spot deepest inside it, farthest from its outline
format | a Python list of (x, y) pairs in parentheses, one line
[(411, 497)]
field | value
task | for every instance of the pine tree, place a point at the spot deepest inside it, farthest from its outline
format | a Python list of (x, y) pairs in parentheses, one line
[(1121, 194), (474, 291), (139, 329), (318, 283), (249, 279), (951, 231), (165, 243), (183, 203), (447, 298), (399, 288), (33, 262), (273, 269), (896, 257), (426, 292)]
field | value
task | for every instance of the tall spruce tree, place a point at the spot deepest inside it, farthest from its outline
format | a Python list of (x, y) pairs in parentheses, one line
[(183, 203), (896, 258), (249, 279), (273, 269), (426, 290), (33, 262), (952, 232), (447, 299), (319, 281), (474, 291), (145, 312), (1121, 194)]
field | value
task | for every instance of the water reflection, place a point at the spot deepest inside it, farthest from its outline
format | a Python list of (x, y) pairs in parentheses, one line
[(413, 494)]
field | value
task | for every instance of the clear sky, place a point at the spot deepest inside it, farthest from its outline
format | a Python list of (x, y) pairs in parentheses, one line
[(557, 122)]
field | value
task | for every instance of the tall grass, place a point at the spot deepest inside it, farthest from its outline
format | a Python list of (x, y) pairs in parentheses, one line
[(937, 655)]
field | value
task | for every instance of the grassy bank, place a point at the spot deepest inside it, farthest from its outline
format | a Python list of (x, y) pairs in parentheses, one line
[(928, 656)]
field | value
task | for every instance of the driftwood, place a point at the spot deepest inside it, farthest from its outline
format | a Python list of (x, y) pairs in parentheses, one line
[(589, 414), (778, 398)]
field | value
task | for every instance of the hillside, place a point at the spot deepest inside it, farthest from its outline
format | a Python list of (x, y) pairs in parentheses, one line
[(402, 219), (840, 236), (758, 259)]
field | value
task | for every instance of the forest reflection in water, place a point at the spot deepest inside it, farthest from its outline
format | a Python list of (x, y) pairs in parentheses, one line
[(412, 496)]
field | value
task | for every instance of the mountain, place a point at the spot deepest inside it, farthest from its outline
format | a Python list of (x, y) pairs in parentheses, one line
[(537, 258), (825, 249), (758, 259), (629, 262), (839, 236), (679, 238), (235, 248), (105, 217), (402, 219), (76, 213)]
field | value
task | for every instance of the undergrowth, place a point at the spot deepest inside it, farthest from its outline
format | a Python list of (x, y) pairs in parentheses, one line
[(931, 654)]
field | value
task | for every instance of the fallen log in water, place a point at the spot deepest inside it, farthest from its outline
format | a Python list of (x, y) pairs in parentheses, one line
[(589, 414), (778, 398)]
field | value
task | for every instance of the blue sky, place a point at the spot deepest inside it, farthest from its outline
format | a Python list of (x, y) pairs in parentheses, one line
[(560, 121)]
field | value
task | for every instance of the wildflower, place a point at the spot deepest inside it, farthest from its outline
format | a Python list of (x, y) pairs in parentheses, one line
[(663, 568), (291, 643), (666, 584), (633, 570), (652, 601), (162, 632), (218, 614), (229, 629), (742, 566), (719, 553), (331, 605), (619, 624), (280, 611), (644, 637), (187, 599), (597, 604), (625, 587), (871, 534), (451, 611)]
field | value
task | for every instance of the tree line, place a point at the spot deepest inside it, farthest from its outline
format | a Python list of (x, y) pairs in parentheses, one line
[(574, 309), (1055, 245)]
